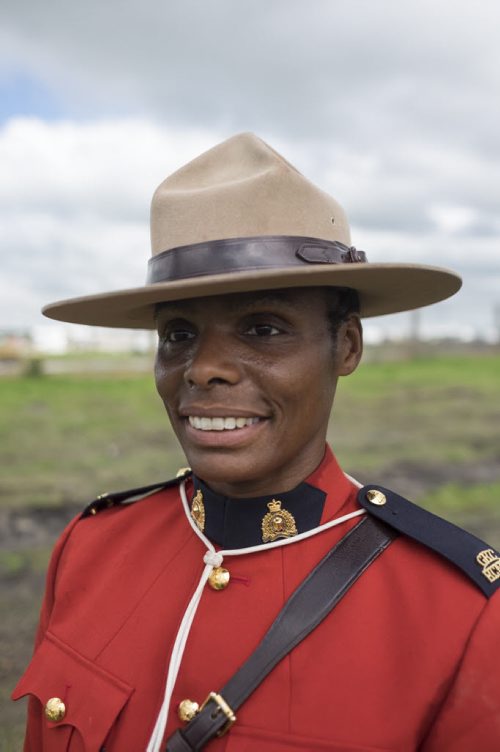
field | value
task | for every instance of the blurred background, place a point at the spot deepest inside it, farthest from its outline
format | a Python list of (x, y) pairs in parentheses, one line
[(393, 108)]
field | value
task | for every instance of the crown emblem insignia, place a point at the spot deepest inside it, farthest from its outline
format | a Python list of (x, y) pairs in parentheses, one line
[(198, 510), (490, 562), (277, 523)]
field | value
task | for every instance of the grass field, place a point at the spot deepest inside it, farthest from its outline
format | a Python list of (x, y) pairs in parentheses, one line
[(66, 438), (429, 428)]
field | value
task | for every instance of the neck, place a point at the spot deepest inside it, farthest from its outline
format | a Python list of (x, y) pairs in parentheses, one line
[(282, 480)]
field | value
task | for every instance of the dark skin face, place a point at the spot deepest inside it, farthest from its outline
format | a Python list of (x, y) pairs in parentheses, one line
[(266, 360)]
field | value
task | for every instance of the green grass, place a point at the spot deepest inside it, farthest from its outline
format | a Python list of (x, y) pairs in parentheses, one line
[(67, 438), (14, 563), (455, 497), (431, 411)]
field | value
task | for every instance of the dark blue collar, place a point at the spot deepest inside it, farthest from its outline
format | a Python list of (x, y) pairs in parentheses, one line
[(237, 523)]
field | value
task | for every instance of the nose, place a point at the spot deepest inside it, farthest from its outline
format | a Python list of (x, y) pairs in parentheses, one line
[(214, 360)]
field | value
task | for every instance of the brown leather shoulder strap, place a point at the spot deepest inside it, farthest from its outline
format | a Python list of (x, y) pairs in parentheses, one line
[(313, 600)]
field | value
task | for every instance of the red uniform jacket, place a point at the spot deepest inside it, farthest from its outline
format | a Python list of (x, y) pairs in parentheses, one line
[(408, 660)]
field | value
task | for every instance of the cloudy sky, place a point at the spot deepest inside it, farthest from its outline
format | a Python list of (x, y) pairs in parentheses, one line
[(393, 107)]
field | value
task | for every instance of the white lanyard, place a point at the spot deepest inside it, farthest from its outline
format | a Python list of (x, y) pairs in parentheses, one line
[(212, 559)]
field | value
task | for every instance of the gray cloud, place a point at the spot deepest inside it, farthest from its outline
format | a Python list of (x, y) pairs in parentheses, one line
[(364, 71), (392, 107)]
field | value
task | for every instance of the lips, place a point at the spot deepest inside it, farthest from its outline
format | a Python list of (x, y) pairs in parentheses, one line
[(219, 423)]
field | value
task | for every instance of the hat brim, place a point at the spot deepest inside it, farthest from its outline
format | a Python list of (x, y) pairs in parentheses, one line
[(382, 289)]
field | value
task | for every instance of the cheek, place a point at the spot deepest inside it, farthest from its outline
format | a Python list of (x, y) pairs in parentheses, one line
[(164, 380), (159, 372), (321, 383), (307, 385)]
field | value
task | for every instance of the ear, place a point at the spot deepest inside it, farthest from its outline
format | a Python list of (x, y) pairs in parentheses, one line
[(349, 345)]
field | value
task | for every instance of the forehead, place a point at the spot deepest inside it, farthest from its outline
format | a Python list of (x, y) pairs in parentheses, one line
[(299, 298)]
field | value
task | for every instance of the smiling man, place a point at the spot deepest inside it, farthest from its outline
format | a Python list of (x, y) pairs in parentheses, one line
[(262, 592)]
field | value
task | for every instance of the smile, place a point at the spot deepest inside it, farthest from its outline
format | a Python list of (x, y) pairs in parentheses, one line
[(220, 424)]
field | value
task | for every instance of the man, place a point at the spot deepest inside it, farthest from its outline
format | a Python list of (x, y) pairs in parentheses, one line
[(156, 597)]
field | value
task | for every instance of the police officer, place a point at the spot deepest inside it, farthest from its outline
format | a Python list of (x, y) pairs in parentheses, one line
[(387, 617)]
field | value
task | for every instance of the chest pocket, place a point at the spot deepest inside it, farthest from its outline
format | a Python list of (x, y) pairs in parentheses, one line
[(86, 698), (245, 739)]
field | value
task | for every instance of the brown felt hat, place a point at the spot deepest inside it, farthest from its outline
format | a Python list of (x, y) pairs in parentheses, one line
[(241, 218)]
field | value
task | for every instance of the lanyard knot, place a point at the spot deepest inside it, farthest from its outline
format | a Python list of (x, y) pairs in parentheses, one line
[(213, 558)]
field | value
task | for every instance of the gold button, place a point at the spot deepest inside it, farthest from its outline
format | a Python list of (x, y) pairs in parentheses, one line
[(218, 578), (376, 497), (55, 710), (187, 710)]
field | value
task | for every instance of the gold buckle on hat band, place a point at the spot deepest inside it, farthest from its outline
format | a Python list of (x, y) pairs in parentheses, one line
[(246, 254)]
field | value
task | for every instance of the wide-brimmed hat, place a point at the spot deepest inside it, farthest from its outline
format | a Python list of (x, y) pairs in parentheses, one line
[(240, 218)]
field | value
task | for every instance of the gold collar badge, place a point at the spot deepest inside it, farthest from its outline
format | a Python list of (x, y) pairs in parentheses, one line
[(490, 562), (277, 523), (198, 510)]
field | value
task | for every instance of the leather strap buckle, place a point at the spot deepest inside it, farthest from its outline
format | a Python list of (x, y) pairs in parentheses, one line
[(222, 707)]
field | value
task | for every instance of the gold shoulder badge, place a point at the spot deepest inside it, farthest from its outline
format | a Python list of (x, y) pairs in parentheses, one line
[(490, 562), (277, 523), (198, 510)]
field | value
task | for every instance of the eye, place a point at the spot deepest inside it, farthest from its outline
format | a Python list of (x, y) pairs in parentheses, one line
[(177, 335), (175, 332), (263, 330)]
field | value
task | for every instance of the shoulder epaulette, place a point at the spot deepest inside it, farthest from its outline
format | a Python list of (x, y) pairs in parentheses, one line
[(108, 500), (470, 554)]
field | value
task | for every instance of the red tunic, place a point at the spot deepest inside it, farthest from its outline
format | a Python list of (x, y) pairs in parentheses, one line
[(407, 661)]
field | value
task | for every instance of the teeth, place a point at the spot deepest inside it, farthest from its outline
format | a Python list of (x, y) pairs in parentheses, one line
[(220, 424)]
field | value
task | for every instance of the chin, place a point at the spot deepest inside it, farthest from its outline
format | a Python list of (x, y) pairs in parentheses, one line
[(223, 471)]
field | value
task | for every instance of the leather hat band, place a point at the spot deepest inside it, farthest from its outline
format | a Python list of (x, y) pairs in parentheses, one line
[(246, 254)]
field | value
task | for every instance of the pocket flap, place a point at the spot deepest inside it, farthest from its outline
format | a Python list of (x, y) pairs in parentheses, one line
[(92, 696), (247, 739)]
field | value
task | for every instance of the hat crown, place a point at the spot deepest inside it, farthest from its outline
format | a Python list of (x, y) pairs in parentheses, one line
[(241, 188), (240, 218)]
